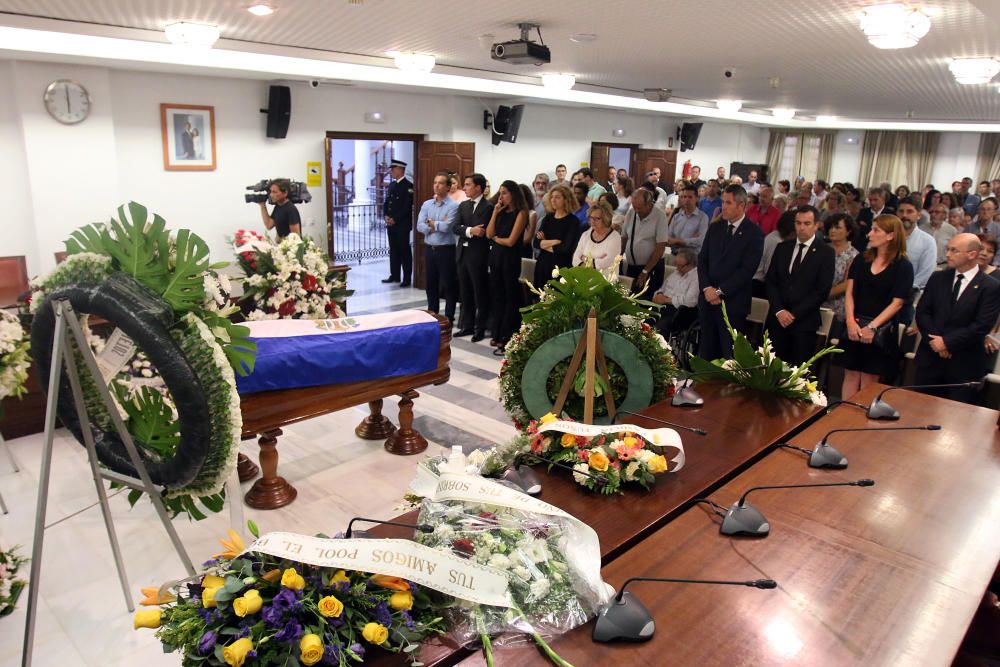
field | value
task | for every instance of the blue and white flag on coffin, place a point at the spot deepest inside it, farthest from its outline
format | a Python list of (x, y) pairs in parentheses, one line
[(310, 353)]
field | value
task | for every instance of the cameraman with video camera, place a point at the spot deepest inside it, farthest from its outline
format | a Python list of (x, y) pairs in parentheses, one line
[(284, 217)]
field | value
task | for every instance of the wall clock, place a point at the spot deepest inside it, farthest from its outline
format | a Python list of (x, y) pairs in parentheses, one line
[(67, 101)]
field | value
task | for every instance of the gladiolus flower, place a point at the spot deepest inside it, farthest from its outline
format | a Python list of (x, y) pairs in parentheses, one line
[(392, 583), (234, 546), (153, 596)]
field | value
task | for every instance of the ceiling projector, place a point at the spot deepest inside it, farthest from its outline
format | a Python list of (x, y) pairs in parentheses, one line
[(522, 51)]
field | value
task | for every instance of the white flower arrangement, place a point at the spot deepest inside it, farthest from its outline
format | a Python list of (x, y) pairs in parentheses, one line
[(14, 359)]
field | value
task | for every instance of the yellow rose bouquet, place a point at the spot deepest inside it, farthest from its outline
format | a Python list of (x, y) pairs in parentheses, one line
[(254, 609)]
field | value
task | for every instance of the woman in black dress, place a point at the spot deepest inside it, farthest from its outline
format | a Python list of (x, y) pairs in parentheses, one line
[(557, 235), (505, 231), (878, 285)]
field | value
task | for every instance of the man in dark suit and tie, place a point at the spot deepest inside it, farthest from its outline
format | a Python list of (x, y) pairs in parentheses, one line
[(798, 281), (473, 253), (398, 212), (728, 259), (957, 309)]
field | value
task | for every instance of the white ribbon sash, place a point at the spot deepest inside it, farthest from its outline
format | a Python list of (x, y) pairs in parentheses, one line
[(293, 328), (661, 437), (428, 567)]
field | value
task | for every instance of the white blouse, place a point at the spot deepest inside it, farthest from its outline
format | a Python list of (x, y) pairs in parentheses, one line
[(603, 253)]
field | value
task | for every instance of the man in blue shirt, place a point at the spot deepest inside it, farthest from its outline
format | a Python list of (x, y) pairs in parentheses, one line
[(711, 203), (434, 221)]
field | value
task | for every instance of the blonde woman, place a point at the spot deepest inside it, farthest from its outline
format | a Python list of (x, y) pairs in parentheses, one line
[(600, 244), (557, 234)]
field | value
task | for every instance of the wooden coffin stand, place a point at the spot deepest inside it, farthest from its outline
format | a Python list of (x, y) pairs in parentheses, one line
[(266, 412)]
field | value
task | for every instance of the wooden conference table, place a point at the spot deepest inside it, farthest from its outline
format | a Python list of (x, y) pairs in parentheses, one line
[(742, 426), (887, 575)]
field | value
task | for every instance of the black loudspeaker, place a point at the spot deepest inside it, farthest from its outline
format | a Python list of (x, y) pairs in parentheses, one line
[(688, 135), (279, 111), (514, 124), (506, 123)]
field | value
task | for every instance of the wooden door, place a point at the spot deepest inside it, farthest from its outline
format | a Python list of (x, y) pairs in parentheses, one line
[(647, 158), (600, 157), (458, 157)]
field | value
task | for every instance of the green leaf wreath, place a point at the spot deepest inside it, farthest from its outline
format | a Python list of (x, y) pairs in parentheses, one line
[(564, 305), (175, 268), (776, 376)]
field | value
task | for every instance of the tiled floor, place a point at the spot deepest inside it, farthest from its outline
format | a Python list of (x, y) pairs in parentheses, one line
[(82, 619)]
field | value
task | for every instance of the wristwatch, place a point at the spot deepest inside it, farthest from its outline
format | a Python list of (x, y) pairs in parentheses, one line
[(719, 293), (644, 272)]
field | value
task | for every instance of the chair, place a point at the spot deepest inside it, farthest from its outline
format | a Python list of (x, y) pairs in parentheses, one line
[(13, 279), (667, 270), (823, 336), (757, 317), (626, 282), (527, 270)]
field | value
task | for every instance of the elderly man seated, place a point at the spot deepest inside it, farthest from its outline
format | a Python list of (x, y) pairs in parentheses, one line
[(679, 294)]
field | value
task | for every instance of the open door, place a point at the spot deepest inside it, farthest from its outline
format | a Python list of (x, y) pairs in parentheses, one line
[(433, 156), (647, 158), (603, 155)]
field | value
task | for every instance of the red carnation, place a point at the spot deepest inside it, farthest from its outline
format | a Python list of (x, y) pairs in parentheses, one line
[(271, 291), (464, 547), (287, 308), (309, 282)]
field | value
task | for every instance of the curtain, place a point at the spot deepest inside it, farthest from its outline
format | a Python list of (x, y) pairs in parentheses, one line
[(899, 158), (988, 164), (808, 154)]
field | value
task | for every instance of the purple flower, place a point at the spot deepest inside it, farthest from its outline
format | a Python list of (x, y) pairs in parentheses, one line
[(382, 614), (207, 643), (251, 653), (273, 615), (413, 587), (407, 619), (359, 649), (286, 599), (291, 632)]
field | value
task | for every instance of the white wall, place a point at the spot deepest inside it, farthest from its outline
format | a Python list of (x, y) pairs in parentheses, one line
[(19, 225), (722, 143)]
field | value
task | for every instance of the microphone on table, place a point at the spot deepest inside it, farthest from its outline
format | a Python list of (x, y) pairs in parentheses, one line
[(745, 519), (625, 618), (527, 479), (879, 409), (826, 456), (693, 429), (686, 396), (363, 534)]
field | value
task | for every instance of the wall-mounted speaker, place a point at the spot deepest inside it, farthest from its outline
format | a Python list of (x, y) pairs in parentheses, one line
[(688, 135), (279, 111)]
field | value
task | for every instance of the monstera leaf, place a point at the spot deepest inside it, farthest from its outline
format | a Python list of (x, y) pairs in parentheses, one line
[(235, 341), (89, 238), (151, 420), (577, 290), (136, 244), (185, 287)]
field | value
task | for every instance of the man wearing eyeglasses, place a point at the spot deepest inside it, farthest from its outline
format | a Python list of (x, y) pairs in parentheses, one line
[(540, 185)]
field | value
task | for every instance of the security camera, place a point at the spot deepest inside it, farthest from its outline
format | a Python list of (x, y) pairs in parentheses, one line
[(728, 73), (314, 84)]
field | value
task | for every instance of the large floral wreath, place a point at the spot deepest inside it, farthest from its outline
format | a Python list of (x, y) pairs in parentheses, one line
[(563, 306), (14, 359), (290, 280), (176, 393)]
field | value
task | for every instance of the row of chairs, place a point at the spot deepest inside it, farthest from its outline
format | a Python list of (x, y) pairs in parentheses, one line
[(527, 276)]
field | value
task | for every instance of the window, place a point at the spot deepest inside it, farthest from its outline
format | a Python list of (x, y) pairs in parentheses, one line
[(799, 157)]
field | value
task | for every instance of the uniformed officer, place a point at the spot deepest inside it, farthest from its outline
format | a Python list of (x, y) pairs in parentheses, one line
[(398, 212)]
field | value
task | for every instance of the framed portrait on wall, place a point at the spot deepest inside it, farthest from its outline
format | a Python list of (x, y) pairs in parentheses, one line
[(188, 137)]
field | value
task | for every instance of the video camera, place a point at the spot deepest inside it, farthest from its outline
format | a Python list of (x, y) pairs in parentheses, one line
[(297, 192)]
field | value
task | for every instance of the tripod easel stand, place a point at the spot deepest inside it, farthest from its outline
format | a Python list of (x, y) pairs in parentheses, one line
[(68, 324), (590, 344)]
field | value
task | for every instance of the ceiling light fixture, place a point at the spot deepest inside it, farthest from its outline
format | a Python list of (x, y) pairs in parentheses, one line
[(583, 37), (260, 10), (730, 106), (974, 70), (826, 120), (894, 25), (783, 113), (558, 81), (413, 62), (183, 33), (374, 117), (618, 133)]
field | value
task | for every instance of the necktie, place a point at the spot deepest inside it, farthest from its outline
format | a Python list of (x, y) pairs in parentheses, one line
[(732, 228), (798, 257), (957, 288)]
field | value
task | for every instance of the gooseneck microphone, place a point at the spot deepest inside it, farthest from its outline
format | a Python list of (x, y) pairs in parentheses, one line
[(879, 409), (524, 477), (693, 429), (625, 618), (745, 519), (686, 396), (826, 456), (361, 534)]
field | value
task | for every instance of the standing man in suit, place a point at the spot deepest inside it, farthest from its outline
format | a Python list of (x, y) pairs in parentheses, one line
[(728, 259), (798, 281), (957, 309), (398, 212), (473, 254)]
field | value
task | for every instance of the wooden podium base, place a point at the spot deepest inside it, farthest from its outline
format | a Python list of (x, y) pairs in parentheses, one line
[(246, 468), (375, 426), (406, 441), (270, 491)]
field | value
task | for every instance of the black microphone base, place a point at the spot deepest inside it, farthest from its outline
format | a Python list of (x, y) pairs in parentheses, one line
[(687, 397), (825, 456), (881, 410), (524, 478), (624, 621), (746, 520)]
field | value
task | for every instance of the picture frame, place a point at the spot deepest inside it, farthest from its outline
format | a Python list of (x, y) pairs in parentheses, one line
[(188, 137)]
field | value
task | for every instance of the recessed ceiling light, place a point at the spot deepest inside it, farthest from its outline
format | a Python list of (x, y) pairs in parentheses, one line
[(826, 120), (583, 37), (192, 34), (783, 113), (894, 25), (974, 70), (413, 62), (558, 81), (732, 106), (260, 10)]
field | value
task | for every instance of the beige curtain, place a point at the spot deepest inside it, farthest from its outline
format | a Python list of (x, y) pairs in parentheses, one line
[(803, 160), (988, 164), (901, 158)]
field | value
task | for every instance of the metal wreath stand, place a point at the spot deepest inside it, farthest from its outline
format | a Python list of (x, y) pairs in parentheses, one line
[(66, 324)]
